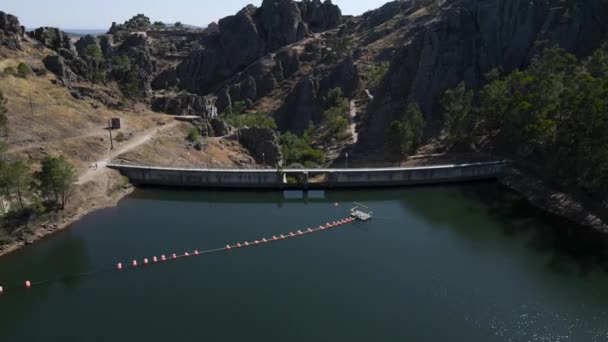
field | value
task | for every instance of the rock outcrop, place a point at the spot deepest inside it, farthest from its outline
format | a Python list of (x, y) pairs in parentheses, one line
[(52, 38), (185, 104), (83, 43), (10, 31), (262, 144), (464, 39), (320, 16), (243, 38), (300, 107)]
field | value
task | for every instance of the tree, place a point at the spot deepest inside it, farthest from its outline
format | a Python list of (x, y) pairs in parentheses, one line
[(56, 179), (159, 25), (193, 135), (3, 116), (406, 133), (24, 70), (17, 177), (179, 25), (458, 110), (121, 65), (94, 52), (335, 115)]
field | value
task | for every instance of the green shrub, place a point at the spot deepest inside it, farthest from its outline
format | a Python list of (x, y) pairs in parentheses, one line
[(194, 135), (298, 150), (10, 71), (120, 137), (260, 120), (24, 70)]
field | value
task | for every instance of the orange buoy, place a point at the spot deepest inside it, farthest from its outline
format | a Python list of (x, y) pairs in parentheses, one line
[(264, 240), (186, 254), (228, 247), (174, 256), (310, 230), (282, 237), (163, 258), (246, 243), (196, 252), (28, 284), (257, 242), (134, 263), (274, 237), (119, 266), (146, 261), (238, 245), (155, 260)]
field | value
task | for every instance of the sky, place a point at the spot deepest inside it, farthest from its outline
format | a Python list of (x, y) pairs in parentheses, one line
[(95, 14)]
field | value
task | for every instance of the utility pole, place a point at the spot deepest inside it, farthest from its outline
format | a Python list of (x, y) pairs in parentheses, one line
[(263, 160), (110, 130), (31, 103)]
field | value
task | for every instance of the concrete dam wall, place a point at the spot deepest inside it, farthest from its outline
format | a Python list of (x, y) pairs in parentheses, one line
[(309, 178)]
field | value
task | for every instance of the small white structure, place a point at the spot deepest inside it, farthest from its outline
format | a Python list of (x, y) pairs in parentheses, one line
[(361, 214)]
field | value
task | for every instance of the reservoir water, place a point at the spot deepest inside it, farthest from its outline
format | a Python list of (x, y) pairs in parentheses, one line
[(449, 263)]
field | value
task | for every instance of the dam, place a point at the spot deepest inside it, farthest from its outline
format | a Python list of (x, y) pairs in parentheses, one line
[(310, 178)]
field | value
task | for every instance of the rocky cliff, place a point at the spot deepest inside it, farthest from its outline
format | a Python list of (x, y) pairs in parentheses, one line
[(10, 31), (243, 38), (463, 40)]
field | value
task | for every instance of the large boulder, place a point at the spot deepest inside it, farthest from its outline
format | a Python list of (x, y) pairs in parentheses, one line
[(300, 108), (83, 43), (262, 144), (320, 16), (52, 38), (344, 75), (185, 104), (10, 31), (282, 22), (243, 38)]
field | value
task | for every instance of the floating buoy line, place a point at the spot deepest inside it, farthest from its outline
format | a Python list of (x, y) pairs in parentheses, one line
[(135, 264)]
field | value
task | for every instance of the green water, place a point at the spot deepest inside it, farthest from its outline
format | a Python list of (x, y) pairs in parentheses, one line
[(459, 263)]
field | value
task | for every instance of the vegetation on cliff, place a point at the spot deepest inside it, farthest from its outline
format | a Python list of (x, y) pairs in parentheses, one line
[(552, 115)]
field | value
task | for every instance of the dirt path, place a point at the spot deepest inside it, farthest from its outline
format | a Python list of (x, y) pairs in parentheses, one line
[(352, 127), (123, 148)]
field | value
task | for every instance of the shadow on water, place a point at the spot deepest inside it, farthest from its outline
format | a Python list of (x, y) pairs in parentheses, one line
[(574, 249)]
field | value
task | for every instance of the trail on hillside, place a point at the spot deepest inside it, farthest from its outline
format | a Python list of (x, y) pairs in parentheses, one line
[(131, 144)]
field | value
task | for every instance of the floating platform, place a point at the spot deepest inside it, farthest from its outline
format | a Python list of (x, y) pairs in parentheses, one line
[(360, 214)]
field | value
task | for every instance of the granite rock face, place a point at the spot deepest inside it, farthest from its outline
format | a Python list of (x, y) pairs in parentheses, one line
[(52, 38), (185, 104), (10, 31), (243, 38), (83, 43), (262, 144), (465, 39), (300, 107), (320, 16)]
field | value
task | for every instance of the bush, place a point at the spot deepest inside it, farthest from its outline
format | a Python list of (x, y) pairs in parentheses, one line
[(250, 120), (198, 146), (194, 135), (298, 150), (120, 137), (24, 70), (10, 71)]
